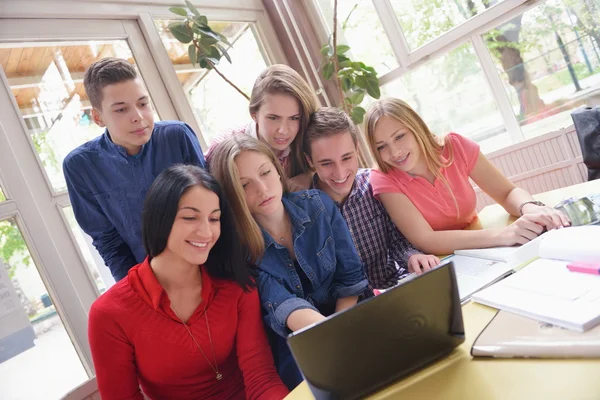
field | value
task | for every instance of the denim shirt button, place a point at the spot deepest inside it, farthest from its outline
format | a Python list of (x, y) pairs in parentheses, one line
[(297, 286), (289, 264)]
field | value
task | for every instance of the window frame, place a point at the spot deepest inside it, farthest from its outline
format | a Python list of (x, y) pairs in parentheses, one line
[(469, 31)]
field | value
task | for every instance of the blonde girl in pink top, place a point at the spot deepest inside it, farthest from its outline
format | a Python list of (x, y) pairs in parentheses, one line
[(281, 104), (423, 182)]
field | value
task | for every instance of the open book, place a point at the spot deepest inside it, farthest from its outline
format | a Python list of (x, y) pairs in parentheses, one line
[(473, 274), (546, 290)]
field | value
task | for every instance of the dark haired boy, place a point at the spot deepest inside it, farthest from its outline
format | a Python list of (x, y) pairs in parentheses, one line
[(108, 177)]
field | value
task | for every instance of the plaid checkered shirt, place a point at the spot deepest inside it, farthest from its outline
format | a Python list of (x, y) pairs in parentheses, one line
[(382, 248)]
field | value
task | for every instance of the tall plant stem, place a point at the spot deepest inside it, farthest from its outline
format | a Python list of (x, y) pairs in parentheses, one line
[(231, 83), (213, 66), (336, 65)]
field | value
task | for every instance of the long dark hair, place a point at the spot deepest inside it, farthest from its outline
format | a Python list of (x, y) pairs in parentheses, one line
[(227, 259)]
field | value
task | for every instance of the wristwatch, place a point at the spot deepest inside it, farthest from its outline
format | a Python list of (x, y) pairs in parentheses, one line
[(537, 203)]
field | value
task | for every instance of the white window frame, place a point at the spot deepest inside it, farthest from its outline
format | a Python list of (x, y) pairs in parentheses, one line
[(69, 286), (469, 31)]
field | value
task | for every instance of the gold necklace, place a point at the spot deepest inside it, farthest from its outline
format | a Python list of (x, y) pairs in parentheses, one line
[(219, 376)]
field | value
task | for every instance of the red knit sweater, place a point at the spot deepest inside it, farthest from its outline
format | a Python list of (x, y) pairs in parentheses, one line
[(136, 339)]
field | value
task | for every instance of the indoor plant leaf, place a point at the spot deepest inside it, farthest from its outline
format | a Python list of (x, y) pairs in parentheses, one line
[(357, 97), (192, 8), (357, 114), (179, 11), (192, 54), (342, 48), (328, 70), (180, 32), (373, 88)]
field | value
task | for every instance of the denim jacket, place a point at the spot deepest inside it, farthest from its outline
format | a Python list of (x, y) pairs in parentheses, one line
[(325, 252)]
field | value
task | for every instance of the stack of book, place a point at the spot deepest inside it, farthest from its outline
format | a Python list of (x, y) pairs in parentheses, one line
[(547, 309)]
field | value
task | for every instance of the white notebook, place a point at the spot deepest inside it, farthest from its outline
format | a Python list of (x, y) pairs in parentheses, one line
[(546, 290)]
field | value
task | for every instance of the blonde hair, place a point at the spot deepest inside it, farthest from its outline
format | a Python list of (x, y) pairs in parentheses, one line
[(430, 145), (224, 169), (281, 79)]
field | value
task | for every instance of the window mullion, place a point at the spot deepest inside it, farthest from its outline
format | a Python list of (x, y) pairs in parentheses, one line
[(8, 209), (169, 76), (394, 32), (498, 91)]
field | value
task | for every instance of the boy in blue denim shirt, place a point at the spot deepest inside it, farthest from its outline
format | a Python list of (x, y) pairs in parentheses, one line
[(308, 267), (108, 177)]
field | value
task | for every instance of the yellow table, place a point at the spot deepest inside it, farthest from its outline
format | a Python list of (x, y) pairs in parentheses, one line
[(461, 377)]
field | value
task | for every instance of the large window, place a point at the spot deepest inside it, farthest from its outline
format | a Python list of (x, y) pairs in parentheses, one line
[(500, 78), (549, 60), (50, 273)]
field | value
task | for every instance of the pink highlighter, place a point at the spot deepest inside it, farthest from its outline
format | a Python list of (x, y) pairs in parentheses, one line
[(584, 268)]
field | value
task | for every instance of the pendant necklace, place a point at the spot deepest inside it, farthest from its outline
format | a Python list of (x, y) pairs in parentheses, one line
[(215, 368)]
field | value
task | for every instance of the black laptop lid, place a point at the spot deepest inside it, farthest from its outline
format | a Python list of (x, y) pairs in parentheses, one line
[(382, 339)]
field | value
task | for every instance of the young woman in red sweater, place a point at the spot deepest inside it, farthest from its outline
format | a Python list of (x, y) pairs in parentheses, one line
[(185, 323)]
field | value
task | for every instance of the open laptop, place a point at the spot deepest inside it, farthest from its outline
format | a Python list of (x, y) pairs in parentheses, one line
[(377, 342)]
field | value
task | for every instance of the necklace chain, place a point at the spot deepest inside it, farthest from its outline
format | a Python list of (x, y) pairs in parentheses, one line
[(215, 368), (281, 238)]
